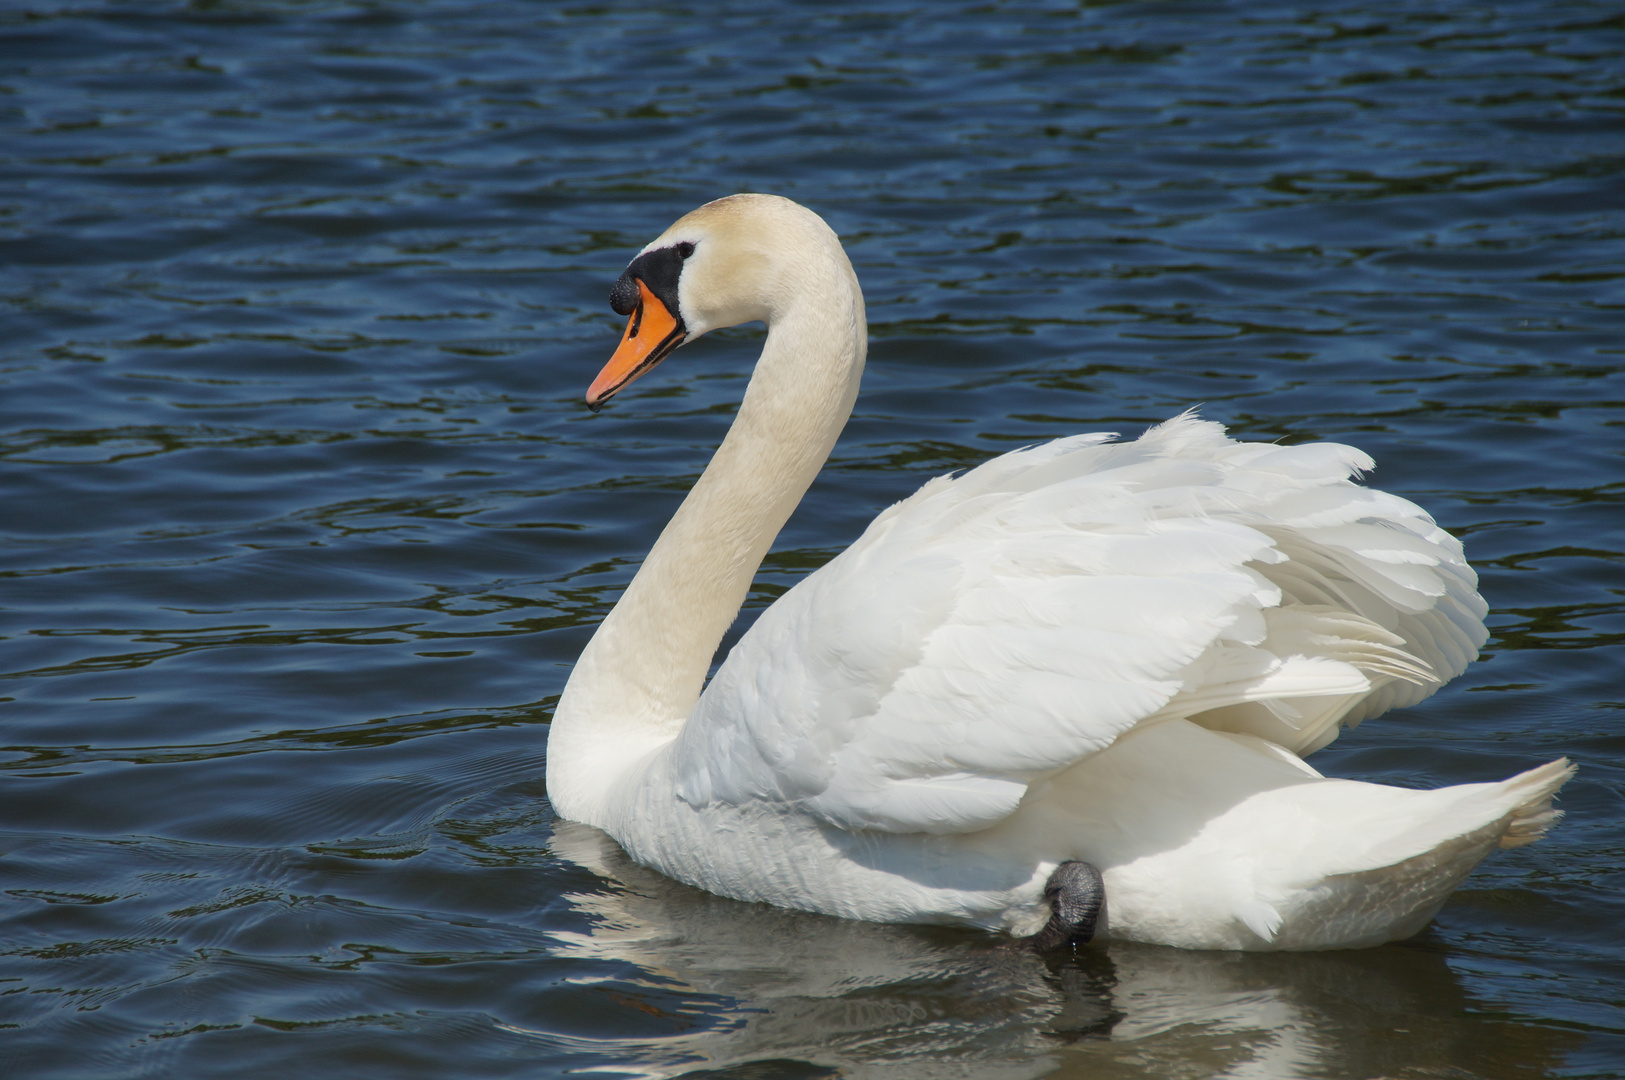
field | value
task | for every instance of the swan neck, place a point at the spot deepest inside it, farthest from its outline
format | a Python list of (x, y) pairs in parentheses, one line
[(644, 669)]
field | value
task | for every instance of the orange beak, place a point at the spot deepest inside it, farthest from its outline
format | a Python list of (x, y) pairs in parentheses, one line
[(651, 334)]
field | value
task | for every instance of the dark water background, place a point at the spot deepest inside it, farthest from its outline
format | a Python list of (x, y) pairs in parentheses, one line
[(304, 522)]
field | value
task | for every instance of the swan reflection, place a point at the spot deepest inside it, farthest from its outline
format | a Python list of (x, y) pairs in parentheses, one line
[(804, 995)]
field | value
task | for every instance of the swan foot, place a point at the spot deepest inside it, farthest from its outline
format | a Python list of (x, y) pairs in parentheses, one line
[(1076, 896)]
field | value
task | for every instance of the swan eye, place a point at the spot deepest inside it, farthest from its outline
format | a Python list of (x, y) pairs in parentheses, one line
[(685, 249)]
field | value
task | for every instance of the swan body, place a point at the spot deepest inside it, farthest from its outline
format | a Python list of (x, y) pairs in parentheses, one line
[(1114, 652)]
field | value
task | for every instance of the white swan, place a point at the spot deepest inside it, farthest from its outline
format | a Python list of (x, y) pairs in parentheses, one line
[(1108, 652)]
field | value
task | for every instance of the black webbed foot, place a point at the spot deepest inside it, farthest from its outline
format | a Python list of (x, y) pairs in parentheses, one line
[(1076, 896)]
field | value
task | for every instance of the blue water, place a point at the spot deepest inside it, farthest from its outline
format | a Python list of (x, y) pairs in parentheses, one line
[(302, 521)]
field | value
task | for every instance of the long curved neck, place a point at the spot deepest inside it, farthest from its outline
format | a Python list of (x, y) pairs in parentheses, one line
[(643, 670)]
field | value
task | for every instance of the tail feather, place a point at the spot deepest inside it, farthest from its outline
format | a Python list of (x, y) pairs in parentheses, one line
[(1393, 900), (1531, 818)]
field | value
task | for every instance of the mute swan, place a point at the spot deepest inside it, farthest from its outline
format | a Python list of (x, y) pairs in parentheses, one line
[(1080, 664)]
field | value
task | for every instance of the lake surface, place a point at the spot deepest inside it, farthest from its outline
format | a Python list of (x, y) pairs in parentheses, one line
[(304, 522)]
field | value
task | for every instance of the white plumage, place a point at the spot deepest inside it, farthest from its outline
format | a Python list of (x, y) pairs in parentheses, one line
[(1110, 651)]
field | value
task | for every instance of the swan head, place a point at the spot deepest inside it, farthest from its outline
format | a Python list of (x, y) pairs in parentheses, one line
[(731, 261)]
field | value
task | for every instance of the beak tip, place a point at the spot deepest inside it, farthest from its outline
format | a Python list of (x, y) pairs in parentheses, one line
[(652, 332)]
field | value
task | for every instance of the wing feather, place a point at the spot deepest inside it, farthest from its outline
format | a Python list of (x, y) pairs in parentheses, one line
[(1000, 626)]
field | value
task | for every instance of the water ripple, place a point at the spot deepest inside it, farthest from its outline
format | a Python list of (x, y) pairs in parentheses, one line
[(306, 524)]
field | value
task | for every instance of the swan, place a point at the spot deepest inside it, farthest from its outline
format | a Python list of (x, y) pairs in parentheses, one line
[(1065, 694)]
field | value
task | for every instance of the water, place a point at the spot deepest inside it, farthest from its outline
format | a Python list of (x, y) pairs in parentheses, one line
[(304, 521)]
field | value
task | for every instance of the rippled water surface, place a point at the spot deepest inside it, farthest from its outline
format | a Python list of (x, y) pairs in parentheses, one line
[(304, 522)]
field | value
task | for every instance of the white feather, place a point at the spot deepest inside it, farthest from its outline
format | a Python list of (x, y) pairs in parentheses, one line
[(1090, 649)]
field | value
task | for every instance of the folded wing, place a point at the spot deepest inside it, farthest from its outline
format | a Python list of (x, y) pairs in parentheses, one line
[(997, 627)]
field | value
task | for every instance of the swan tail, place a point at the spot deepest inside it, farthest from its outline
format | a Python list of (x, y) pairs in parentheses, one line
[(1459, 824), (1422, 845), (1303, 862), (1393, 902), (1534, 813)]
